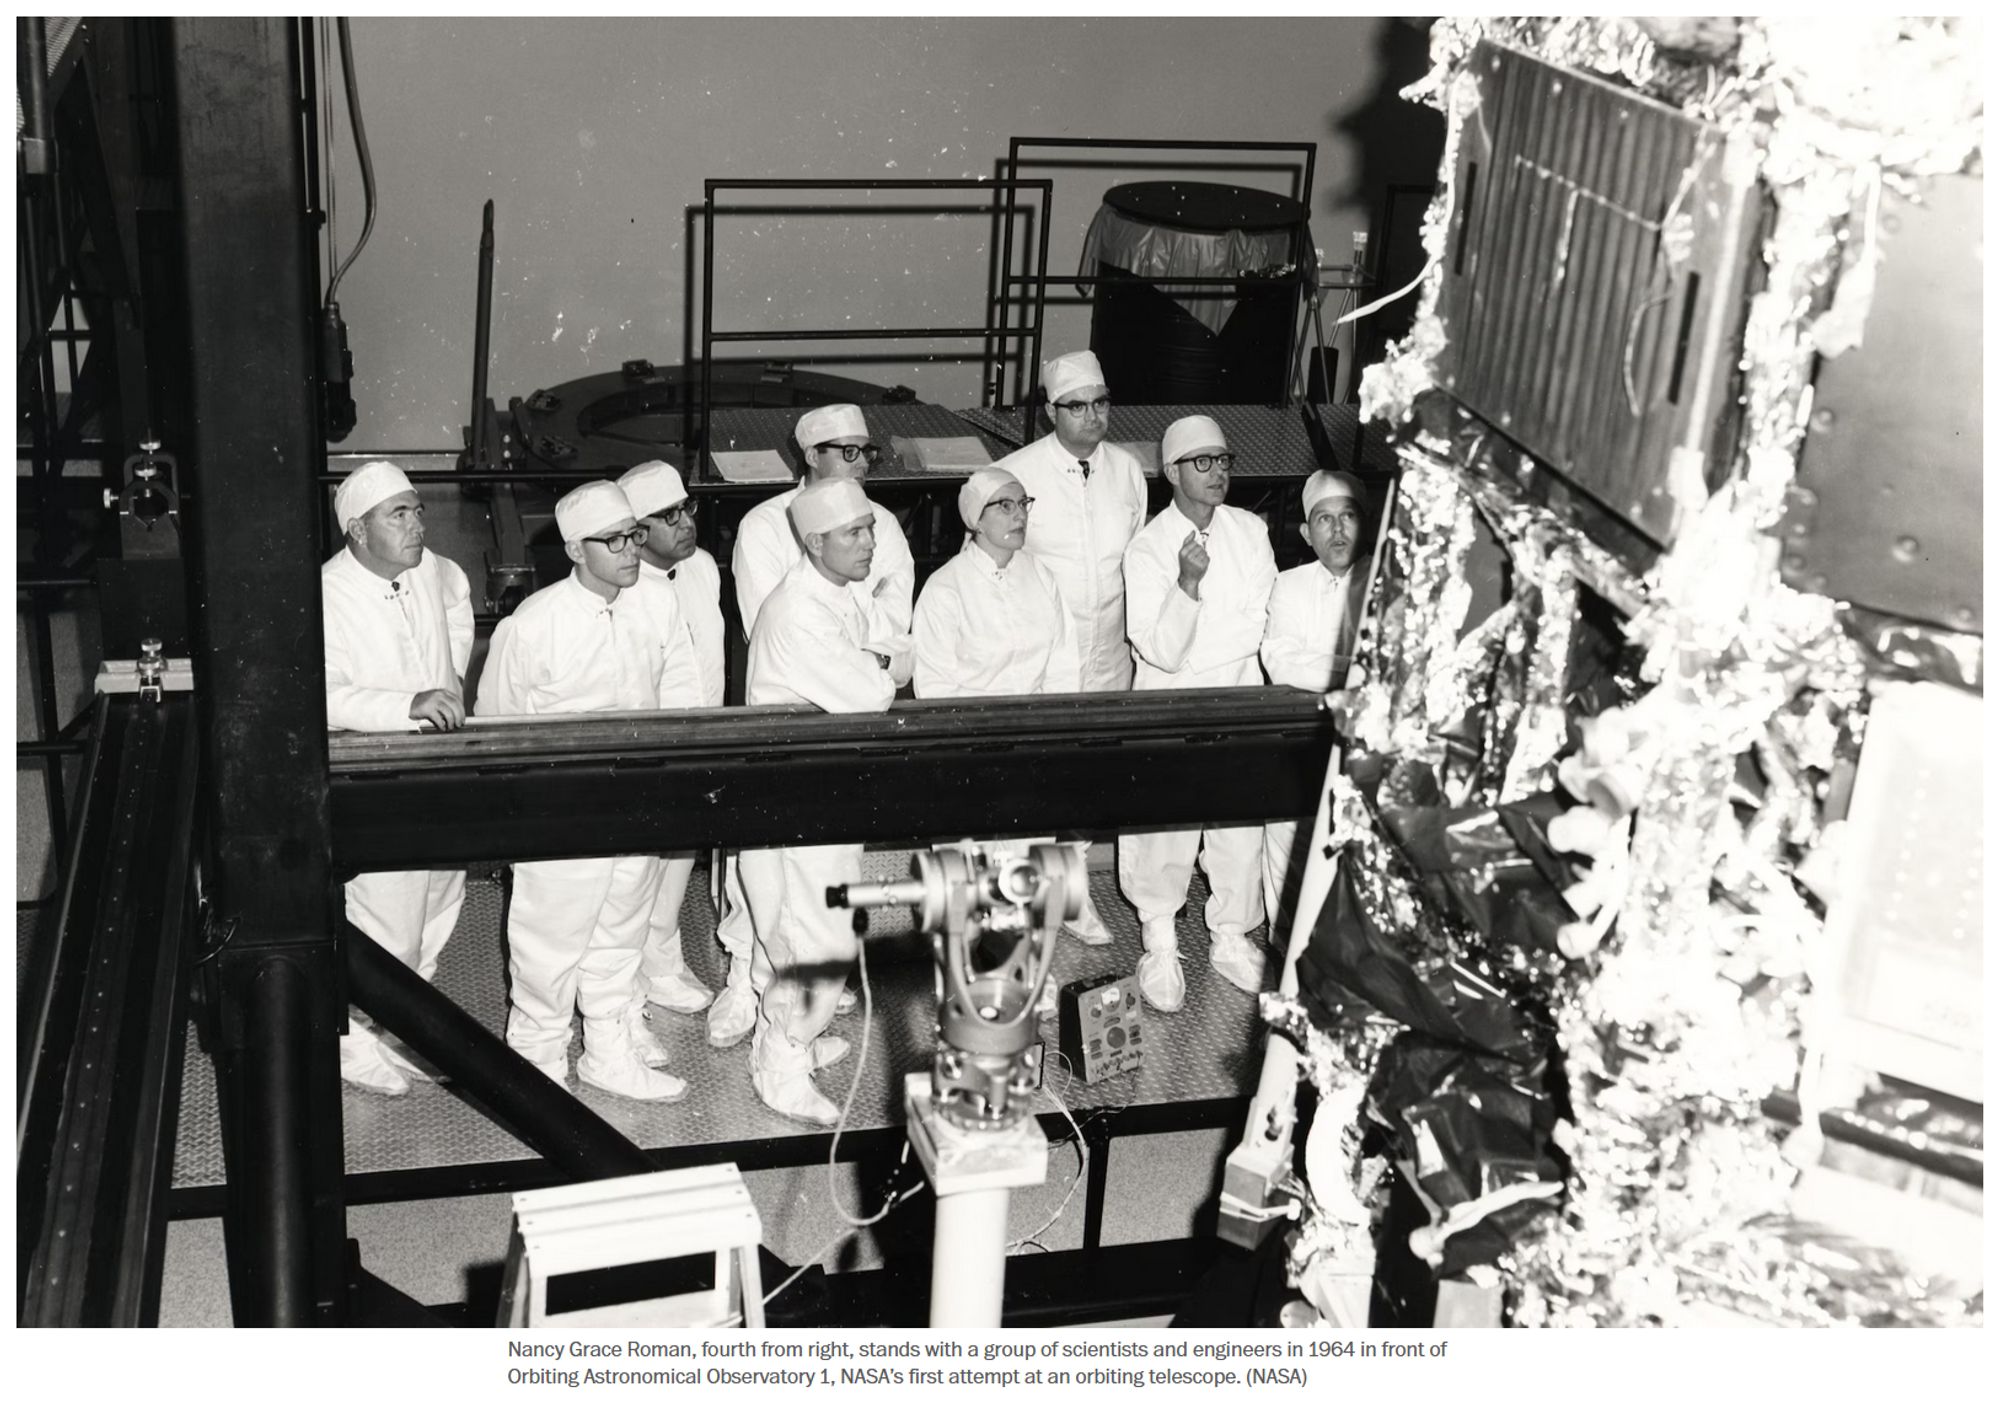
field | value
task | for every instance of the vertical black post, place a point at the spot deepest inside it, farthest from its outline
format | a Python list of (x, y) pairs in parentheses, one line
[(482, 341), (274, 988), (698, 454)]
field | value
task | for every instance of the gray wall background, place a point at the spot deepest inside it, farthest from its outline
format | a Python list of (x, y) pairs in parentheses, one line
[(593, 138)]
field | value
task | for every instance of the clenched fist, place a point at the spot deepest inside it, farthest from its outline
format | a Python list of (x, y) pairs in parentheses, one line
[(1194, 565)]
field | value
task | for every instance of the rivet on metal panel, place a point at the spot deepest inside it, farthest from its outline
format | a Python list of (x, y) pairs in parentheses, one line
[(1506, 419), (1816, 583), (1805, 496), (1906, 548), (1963, 617), (1891, 223), (1822, 419), (1555, 86), (1794, 563)]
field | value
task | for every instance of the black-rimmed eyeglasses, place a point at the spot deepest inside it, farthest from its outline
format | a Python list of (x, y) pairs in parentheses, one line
[(1009, 505), (1204, 461), (619, 540), (1077, 408), (679, 512), (850, 451)]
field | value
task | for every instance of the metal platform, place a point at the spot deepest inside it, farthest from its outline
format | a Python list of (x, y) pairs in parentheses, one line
[(1356, 447), (770, 430), (432, 1142)]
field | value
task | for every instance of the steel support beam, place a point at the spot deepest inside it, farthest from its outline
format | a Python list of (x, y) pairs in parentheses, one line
[(542, 1113), (274, 990), (769, 777), (103, 1028)]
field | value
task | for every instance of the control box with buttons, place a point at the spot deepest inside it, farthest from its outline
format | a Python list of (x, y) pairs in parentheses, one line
[(1099, 1026)]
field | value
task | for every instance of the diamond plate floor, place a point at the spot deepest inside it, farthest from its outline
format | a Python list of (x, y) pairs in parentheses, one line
[(1207, 1051)]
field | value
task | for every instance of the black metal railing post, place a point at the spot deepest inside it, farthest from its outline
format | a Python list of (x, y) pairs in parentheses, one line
[(272, 989)]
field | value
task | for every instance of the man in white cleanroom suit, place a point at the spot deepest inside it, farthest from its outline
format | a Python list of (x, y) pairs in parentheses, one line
[(834, 446), (1197, 580), (815, 643), (398, 622), (1090, 500), (675, 593), (1308, 639), (575, 928)]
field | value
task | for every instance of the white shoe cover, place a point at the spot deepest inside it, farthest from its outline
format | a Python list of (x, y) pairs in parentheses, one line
[(1238, 961), (364, 1065), (610, 1063), (1089, 927), (679, 993)]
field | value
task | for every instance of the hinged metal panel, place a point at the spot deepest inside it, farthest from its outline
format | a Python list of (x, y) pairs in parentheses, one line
[(1593, 281)]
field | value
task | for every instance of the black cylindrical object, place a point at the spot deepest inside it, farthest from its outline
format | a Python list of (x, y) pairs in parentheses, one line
[(276, 1104), (544, 1116), (1165, 343)]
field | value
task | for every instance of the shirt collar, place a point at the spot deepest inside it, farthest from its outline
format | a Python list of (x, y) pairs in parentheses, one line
[(819, 585), (1068, 461), (1182, 526), (349, 565), (985, 563), (585, 596)]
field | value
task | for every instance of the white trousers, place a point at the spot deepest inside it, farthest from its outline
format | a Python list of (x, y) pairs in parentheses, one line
[(803, 950), (733, 932), (574, 933), (1154, 869), (411, 914), (662, 956), (1285, 848), (408, 913)]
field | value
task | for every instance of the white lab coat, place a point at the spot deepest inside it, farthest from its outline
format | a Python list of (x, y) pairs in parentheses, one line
[(680, 683), (1079, 529), (698, 583), (386, 642), (807, 649), (767, 548), (1205, 642), (813, 651), (1306, 642), (984, 629), (574, 928), (377, 657)]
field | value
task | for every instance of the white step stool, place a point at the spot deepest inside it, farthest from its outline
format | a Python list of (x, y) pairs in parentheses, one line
[(633, 1220)]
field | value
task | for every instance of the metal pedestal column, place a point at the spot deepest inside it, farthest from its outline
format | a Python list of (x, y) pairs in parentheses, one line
[(973, 1174)]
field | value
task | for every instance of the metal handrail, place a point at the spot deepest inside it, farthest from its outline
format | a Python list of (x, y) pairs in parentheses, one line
[(711, 336), (1300, 239)]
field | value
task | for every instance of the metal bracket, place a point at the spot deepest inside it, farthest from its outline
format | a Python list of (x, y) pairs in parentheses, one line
[(149, 492), (149, 676)]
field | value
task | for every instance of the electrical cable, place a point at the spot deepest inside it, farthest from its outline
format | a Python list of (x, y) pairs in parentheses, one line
[(325, 28), (361, 152), (847, 1104), (1082, 1166), (839, 1239), (856, 1224)]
